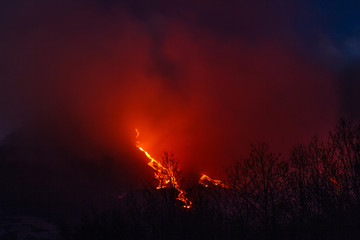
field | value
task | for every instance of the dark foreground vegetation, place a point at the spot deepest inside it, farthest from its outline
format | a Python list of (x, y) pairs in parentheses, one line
[(312, 194)]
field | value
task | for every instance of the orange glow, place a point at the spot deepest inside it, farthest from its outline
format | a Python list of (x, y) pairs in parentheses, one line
[(337, 186), (164, 175), (205, 180)]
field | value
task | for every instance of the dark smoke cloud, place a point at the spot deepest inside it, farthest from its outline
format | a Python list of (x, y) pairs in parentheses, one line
[(201, 79), (349, 90)]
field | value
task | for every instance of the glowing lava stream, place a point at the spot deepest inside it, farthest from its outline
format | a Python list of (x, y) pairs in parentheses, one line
[(204, 178), (164, 175)]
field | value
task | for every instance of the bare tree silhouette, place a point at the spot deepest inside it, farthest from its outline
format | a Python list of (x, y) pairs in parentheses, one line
[(313, 193)]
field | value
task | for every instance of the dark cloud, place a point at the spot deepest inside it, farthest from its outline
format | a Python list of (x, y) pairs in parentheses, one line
[(349, 89)]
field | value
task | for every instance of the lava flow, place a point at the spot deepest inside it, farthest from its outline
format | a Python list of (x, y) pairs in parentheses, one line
[(164, 175), (204, 180)]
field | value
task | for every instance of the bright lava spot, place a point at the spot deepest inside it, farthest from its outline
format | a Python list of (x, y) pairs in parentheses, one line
[(164, 175), (205, 180)]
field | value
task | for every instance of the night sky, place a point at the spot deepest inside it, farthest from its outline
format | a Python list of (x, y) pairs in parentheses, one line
[(203, 79)]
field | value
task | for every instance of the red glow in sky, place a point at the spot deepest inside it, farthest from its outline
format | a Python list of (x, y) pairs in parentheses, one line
[(193, 88)]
